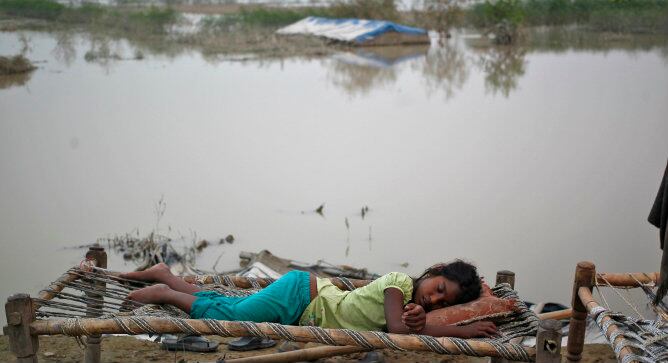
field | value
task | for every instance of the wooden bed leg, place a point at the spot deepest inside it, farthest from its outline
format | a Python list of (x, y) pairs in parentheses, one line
[(504, 276), (584, 276), (92, 354), (548, 342), (20, 313)]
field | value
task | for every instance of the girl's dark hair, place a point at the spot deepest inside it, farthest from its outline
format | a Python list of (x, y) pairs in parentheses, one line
[(463, 273)]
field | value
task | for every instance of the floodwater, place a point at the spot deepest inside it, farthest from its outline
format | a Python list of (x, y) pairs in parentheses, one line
[(529, 159)]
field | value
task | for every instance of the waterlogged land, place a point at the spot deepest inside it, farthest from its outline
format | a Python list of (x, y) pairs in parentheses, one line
[(233, 28)]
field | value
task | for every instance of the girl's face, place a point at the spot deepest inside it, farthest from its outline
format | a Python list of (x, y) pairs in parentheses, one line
[(436, 292)]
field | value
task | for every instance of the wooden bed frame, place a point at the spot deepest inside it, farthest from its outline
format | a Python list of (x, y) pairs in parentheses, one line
[(24, 329)]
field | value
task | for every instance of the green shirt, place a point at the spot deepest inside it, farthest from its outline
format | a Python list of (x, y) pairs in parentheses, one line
[(360, 309)]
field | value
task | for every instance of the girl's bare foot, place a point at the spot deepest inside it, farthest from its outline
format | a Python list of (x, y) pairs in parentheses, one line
[(155, 273), (155, 294), (163, 294)]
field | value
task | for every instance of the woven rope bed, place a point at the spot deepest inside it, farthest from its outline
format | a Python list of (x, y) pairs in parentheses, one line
[(632, 339), (85, 303)]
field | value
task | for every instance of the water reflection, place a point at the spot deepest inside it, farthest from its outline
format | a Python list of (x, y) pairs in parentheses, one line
[(503, 66), (361, 70), (25, 41), (561, 40), (15, 80), (445, 68), (357, 74), (65, 51)]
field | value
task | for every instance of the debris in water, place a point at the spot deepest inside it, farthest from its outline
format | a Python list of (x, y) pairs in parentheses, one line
[(179, 253), (228, 239), (404, 265), (14, 65), (199, 246), (347, 224), (365, 210)]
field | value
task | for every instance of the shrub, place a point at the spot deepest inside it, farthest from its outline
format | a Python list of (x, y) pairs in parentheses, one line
[(264, 16), (366, 9), (41, 9), (14, 65)]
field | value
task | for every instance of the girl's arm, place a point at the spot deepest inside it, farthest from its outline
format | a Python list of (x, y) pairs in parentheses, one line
[(394, 308)]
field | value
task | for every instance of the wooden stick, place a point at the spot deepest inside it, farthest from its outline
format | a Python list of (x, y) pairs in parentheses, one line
[(626, 279), (556, 315), (584, 277), (308, 354), (504, 276), (92, 352), (237, 329), (588, 300), (52, 290)]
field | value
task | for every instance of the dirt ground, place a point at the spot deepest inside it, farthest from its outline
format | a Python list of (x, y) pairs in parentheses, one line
[(125, 349)]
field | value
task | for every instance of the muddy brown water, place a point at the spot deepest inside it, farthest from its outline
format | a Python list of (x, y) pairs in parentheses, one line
[(529, 159)]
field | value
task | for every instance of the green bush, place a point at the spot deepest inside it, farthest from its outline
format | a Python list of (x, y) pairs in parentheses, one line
[(41, 9), (263, 16), (614, 15), (156, 18), (366, 9), (500, 11)]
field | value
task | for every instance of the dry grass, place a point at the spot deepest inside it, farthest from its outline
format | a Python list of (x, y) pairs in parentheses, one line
[(14, 65)]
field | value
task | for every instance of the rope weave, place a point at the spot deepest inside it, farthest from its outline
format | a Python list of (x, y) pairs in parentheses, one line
[(387, 341), (253, 329), (218, 328), (345, 281), (359, 339), (646, 339), (321, 336), (282, 331), (138, 324), (433, 344), (135, 322)]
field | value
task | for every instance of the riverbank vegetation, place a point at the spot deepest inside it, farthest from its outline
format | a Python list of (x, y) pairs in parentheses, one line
[(111, 18), (229, 27), (607, 15), (15, 65), (626, 16)]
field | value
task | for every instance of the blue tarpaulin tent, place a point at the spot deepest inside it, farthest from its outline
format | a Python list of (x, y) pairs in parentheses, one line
[(357, 31)]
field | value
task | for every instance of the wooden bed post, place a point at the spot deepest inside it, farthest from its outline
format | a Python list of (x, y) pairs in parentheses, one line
[(585, 273), (92, 354), (20, 313), (548, 342), (504, 276)]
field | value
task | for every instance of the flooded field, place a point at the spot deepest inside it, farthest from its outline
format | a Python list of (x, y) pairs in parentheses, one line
[(528, 158)]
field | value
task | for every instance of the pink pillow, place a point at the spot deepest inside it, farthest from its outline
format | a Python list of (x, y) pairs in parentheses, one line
[(486, 307)]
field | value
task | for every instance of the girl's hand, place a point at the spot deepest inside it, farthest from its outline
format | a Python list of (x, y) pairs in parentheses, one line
[(414, 317), (484, 329)]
